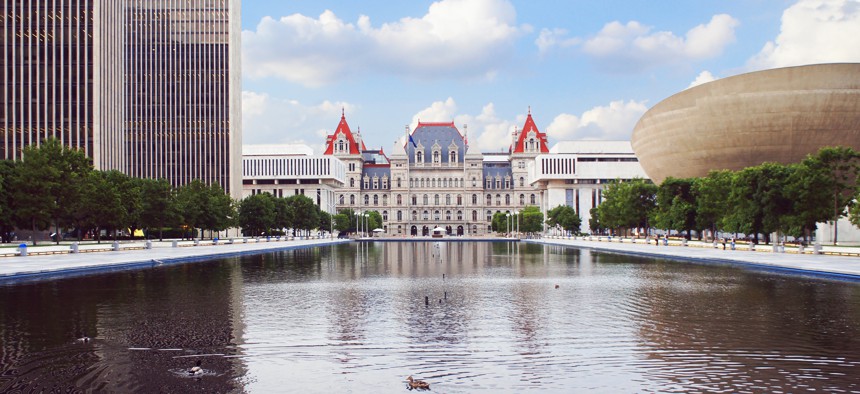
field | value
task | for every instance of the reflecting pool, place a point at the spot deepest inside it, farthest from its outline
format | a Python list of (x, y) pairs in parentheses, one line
[(464, 316)]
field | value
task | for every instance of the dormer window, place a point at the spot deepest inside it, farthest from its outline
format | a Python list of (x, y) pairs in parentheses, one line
[(507, 183), (375, 182), (385, 182), (452, 157), (419, 157), (366, 182), (437, 157), (489, 182)]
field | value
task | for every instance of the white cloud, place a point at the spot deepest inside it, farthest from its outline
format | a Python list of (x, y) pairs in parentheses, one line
[(814, 31), (612, 122), (455, 38), (550, 39), (634, 47), (271, 120), (704, 77)]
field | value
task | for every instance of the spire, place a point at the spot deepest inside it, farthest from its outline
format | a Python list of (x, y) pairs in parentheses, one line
[(529, 129), (342, 113)]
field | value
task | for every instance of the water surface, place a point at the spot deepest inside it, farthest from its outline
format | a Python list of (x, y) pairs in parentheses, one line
[(467, 317)]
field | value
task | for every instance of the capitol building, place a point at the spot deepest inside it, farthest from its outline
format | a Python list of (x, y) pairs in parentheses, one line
[(435, 178)]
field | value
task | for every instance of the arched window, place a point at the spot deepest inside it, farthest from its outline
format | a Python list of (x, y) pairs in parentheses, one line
[(452, 157), (534, 201), (411, 183), (489, 199), (399, 215), (375, 199), (351, 182), (489, 216), (414, 200), (498, 199), (474, 216), (366, 199), (352, 199), (447, 199), (414, 215), (422, 182), (426, 215), (522, 199), (447, 215), (459, 199), (436, 215), (385, 199), (398, 182), (437, 158), (522, 182), (459, 215), (385, 215), (341, 199), (474, 199), (419, 157), (399, 200), (474, 182), (426, 200), (507, 199), (436, 199)]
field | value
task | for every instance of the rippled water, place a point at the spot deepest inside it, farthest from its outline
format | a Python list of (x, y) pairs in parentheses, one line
[(465, 317)]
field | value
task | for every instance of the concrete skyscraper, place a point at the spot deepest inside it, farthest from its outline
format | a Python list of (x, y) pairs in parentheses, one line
[(148, 87)]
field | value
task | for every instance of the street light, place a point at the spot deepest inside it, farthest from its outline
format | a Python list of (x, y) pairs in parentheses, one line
[(357, 223), (366, 232), (517, 218), (508, 222)]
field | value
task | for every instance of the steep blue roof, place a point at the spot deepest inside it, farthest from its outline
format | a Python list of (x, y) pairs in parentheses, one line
[(427, 134), (379, 172)]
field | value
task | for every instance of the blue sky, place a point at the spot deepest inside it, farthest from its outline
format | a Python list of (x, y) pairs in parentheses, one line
[(588, 69)]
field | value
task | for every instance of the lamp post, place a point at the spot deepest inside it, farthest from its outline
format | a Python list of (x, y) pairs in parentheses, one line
[(366, 230), (508, 223), (357, 224), (517, 218)]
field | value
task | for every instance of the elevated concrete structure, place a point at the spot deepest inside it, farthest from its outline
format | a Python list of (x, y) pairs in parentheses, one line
[(778, 115)]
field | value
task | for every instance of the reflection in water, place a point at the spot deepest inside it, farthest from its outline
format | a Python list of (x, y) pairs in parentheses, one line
[(464, 316)]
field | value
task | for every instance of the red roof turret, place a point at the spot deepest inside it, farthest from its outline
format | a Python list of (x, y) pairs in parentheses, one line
[(343, 129), (540, 138)]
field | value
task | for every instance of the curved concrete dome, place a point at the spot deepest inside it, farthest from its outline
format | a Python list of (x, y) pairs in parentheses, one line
[(778, 115)]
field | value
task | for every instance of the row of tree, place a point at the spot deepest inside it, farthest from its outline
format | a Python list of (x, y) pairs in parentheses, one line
[(529, 220), (55, 187), (768, 198)]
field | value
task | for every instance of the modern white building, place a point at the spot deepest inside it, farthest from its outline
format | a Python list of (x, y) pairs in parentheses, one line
[(575, 173), (286, 170)]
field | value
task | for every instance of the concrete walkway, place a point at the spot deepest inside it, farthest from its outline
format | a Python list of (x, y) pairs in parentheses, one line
[(831, 264), (50, 262)]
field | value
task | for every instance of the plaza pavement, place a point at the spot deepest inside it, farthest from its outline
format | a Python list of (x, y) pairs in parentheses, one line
[(834, 261), (55, 261)]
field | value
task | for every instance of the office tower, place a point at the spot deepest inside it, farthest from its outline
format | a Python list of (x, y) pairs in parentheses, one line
[(149, 87)]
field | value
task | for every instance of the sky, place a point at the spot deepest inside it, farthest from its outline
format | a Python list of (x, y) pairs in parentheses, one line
[(585, 69)]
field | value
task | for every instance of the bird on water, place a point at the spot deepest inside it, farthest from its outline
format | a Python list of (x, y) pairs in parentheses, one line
[(417, 384), (196, 369)]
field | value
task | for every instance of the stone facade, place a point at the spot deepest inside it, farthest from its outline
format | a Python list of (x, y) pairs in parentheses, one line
[(434, 178)]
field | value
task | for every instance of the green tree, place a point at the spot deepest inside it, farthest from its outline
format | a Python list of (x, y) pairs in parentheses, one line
[(842, 168), (757, 200), (305, 212), (284, 214), (101, 207), (532, 220), (127, 213), (205, 207), (7, 205), (564, 217), (374, 221), (220, 212), (325, 220), (257, 214), (49, 180), (675, 205), (594, 223), (500, 222), (712, 199), (158, 205), (345, 221), (628, 205)]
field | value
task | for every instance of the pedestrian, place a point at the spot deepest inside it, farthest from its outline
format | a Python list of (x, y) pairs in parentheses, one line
[(724, 242)]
